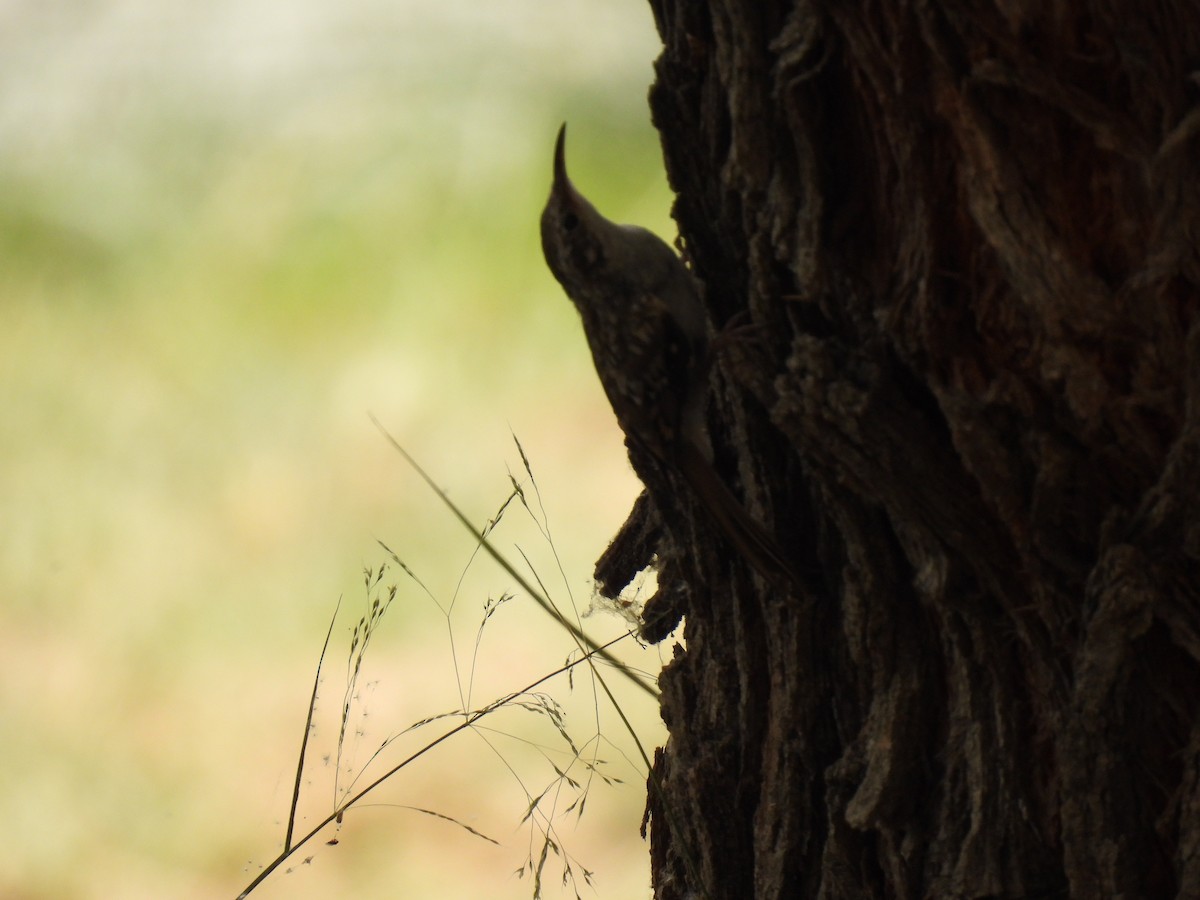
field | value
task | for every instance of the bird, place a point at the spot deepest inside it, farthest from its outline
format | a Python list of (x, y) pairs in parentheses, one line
[(644, 318)]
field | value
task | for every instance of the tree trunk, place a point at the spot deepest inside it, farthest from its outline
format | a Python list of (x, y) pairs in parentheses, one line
[(970, 413)]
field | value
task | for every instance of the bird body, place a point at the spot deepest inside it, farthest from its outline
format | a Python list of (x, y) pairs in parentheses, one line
[(641, 310), (644, 318)]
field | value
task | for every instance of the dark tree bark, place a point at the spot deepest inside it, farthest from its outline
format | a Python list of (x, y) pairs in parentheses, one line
[(971, 415)]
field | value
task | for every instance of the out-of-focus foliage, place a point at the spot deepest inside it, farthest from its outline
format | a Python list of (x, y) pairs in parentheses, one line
[(229, 231)]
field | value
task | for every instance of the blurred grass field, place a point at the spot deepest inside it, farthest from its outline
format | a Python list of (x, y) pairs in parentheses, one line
[(230, 233)]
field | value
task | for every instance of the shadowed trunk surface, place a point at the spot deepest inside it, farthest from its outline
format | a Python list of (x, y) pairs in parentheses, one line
[(967, 234)]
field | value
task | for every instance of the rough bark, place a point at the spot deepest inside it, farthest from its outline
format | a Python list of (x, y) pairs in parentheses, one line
[(972, 414)]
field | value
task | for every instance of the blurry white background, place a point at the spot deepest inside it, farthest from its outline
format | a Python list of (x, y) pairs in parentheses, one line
[(231, 231)]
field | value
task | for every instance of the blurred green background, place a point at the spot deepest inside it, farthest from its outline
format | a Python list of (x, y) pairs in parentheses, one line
[(231, 231)]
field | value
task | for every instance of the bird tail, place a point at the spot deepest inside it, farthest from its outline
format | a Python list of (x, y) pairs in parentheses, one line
[(748, 537)]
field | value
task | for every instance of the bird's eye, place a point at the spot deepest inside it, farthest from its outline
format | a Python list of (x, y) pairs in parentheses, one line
[(570, 220)]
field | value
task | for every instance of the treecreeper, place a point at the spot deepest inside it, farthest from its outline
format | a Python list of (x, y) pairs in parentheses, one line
[(644, 318)]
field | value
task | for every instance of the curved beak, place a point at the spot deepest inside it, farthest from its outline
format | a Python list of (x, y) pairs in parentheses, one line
[(560, 160)]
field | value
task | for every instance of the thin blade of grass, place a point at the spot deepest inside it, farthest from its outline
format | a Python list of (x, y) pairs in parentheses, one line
[(586, 644), (351, 802), (312, 705)]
